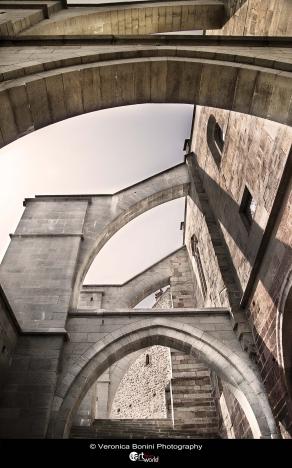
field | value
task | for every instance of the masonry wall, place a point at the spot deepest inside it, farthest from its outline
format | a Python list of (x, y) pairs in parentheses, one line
[(265, 147), (257, 18), (265, 312), (26, 398), (141, 394), (254, 155)]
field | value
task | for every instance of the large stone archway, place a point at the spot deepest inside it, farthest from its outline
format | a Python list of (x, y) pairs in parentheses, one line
[(69, 231), (231, 365), (38, 90)]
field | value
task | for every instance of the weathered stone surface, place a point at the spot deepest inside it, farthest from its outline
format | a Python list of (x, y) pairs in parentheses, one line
[(237, 227)]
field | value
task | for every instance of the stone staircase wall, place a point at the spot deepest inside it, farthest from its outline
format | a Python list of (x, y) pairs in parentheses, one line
[(193, 393)]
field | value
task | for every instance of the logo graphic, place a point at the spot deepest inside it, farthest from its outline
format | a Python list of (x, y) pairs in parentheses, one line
[(144, 457)]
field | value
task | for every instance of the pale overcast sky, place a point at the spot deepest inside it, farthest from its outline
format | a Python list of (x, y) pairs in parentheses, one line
[(102, 152)]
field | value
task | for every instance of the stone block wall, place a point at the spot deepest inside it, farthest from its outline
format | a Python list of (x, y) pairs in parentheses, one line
[(183, 290), (256, 154), (257, 18), (39, 266), (26, 398)]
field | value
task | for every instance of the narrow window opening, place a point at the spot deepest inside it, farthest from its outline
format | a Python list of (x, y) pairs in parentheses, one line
[(147, 361), (247, 208), (197, 257)]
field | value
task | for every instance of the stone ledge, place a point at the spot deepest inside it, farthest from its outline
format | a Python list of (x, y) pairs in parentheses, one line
[(45, 332), (47, 235), (152, 312)]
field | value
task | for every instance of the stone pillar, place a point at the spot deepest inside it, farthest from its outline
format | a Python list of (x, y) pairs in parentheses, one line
[(37, 275)]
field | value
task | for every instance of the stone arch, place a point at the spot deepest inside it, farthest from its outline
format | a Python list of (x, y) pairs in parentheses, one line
[(233, 367), (177, 175), (54, 91), (162, 283), (137, 288)]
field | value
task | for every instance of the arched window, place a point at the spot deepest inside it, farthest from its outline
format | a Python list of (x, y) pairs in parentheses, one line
[(197, 257), (215, 139)]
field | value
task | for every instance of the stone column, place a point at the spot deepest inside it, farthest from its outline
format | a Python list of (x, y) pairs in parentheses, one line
[(37, 275)]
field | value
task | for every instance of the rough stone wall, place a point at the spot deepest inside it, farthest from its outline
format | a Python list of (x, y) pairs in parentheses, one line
[(141, 393), (265, 146), (257, 18)]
